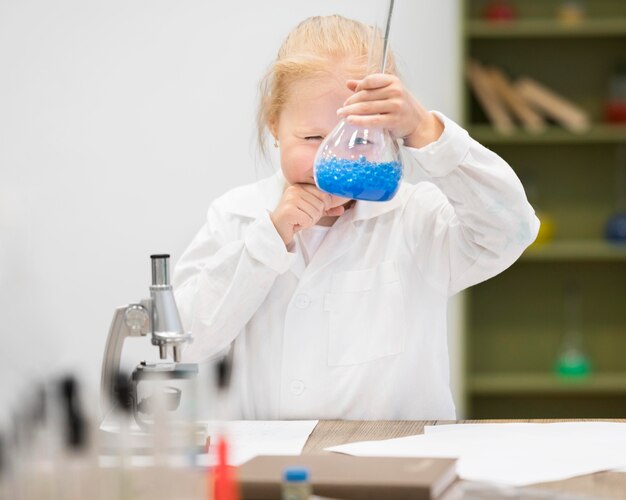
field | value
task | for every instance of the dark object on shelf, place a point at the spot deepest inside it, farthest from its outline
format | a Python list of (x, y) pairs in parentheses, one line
[(615, 112), (615, 108), (499, 10), (616, 228)]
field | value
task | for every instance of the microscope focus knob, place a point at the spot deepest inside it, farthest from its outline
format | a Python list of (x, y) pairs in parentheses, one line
[(137, 319)]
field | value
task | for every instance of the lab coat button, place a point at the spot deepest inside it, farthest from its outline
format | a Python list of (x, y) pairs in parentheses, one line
[(303, 301), (297, 387)]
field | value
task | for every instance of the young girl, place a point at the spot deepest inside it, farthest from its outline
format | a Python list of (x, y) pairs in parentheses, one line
[(335, 308)]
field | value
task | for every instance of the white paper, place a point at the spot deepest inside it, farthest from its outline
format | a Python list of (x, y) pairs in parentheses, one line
[(246, 439), (516, 454), (249, 438)]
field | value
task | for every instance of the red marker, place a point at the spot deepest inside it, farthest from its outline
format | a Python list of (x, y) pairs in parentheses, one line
[(224, 484)]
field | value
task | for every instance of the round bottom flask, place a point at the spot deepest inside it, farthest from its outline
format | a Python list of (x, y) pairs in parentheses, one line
[(358, 163)]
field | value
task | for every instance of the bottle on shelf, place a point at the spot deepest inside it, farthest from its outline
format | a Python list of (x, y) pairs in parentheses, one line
[(572, 361), (615, 107)]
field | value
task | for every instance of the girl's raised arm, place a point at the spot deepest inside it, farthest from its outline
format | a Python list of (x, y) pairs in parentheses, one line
[(477, 223)]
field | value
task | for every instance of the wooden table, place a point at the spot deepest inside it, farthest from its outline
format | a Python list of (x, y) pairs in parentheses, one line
[(336, 432)]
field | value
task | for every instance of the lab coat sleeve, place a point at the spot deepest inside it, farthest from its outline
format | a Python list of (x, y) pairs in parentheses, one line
[(477, 223), (223, 277)]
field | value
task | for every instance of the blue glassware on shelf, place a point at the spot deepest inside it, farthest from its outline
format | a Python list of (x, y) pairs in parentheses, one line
[(356, 162), (615, 229)]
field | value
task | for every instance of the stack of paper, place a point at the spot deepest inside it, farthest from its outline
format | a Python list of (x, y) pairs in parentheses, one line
[(249, 438), (511, 453)]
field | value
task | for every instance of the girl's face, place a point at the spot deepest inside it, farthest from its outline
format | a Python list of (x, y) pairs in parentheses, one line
[(307, 117)]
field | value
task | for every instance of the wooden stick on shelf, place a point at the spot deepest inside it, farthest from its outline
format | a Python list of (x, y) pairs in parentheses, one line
[(488, 98), (529, 118), (561, 110)]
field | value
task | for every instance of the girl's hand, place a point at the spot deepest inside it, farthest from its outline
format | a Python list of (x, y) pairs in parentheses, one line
[(382, 101), (302, 206)]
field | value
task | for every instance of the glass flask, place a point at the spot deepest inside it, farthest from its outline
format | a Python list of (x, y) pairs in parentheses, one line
[(572, 360), (357, 162)]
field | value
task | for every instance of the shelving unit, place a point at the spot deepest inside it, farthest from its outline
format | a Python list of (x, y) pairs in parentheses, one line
[(531, 28), (580, 251), (515, 321), (597, 134), (532, 383)]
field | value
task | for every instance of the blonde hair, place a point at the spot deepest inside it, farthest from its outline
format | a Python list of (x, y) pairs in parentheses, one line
[(314, 47)]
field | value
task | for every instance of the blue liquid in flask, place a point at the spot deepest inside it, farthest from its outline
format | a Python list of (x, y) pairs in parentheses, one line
[(359, 179)]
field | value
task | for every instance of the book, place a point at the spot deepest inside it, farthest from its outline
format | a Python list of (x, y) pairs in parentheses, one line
[(488, 98), (531, 120), (553, 105), (345, 476)]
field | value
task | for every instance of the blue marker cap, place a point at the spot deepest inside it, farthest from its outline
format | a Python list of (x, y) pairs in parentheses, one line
[(296, 474)]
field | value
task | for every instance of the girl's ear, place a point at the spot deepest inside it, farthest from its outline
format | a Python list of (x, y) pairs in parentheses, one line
[(272, 126)]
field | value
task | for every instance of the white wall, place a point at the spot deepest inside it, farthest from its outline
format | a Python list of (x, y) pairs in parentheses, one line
[(120, 121)]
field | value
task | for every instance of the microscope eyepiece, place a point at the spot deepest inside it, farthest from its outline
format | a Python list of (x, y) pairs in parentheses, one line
[(160, 269)]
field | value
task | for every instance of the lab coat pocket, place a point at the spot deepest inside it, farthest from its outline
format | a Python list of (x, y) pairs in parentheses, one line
[(365, 315)]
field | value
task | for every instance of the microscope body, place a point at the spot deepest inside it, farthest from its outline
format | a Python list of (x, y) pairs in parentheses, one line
[(158, 317)]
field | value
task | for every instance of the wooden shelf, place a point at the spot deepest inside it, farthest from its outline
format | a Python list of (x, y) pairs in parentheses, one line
[(514, 321), (598, 133), (552, 28), (505, 384), (576, 251)]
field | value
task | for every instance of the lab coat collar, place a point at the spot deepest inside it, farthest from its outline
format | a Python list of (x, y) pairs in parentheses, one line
[(265, 195)]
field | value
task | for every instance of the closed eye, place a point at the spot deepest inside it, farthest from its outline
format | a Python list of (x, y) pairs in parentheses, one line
[(313, 138)]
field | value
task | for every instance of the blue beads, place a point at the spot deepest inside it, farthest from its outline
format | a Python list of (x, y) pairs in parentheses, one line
[(358, 179)]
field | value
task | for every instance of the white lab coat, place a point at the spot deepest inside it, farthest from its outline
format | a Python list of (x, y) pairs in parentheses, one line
[(359, 333)]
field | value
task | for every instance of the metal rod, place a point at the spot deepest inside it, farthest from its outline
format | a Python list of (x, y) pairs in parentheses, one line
[(386, 39)]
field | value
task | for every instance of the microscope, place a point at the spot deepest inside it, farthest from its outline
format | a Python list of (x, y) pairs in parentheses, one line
[(159, 317)]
